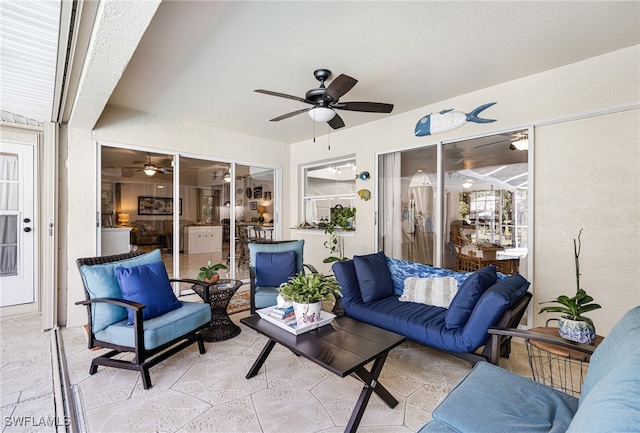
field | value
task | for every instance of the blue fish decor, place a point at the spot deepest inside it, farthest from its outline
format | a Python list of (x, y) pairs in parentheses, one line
[(448, 120), (363, 175)]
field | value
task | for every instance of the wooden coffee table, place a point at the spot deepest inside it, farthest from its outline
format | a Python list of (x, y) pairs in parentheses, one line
[(343, 347)]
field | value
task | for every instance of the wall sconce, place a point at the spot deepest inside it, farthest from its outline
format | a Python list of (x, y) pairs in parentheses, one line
[(261, 210), (123, 219)]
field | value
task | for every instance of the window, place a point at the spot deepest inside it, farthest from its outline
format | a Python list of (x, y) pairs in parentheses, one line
[(327, 186)]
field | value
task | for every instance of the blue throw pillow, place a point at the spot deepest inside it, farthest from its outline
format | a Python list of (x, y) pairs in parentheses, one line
[(402, 269), (373, 276), (273, 269), (149, 285), (468, 294)]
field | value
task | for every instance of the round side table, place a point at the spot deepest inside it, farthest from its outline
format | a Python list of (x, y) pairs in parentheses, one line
[(559, 367), (220, 293)]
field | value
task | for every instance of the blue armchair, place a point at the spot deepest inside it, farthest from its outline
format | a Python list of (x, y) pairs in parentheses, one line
[(271, 264), (131, 308)]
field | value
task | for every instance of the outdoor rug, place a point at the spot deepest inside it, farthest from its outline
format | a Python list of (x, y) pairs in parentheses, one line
[(239, 302)]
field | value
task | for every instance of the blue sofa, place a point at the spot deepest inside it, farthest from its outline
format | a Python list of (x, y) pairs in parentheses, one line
[(497, 400), (372, 286)]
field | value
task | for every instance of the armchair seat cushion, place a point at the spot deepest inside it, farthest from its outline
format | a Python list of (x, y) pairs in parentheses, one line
[(529, 406), (159, 330), (265, 296)]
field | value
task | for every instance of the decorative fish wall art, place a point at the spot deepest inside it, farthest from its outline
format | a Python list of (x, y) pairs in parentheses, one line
[(448, 120), (364, 194)]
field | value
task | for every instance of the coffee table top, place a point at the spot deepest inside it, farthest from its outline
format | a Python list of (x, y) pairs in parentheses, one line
[(341, 347)]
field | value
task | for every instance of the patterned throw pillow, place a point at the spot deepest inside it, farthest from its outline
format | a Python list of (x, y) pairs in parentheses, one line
[(434, 291)]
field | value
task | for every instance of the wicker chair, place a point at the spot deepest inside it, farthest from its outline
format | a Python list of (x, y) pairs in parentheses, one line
[(152, 340)]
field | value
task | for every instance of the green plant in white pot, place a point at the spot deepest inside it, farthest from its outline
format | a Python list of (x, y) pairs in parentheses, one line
[(307, 291), (573, 325)]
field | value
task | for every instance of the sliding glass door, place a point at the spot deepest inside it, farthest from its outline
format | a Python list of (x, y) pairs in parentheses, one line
[(192, 209), (465, 200)]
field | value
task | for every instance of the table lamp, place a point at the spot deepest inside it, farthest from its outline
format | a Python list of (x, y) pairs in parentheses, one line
[(261, 210), (123, 219)]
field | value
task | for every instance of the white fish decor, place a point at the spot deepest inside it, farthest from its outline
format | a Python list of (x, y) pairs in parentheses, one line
[(448, 120)]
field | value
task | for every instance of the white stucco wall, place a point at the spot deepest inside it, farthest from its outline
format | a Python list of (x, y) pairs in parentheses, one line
[(582, 169), (134, 128)]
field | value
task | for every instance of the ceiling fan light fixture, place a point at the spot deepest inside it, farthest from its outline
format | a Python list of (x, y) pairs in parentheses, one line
[(149, 170), (522, 144), (321, 114), (227, 177), (467, 183)]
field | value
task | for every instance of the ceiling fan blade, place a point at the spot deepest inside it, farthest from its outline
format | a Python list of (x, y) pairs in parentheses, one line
[(336, 122), (283, 95), (338, 87), (368, 107), (293, 113), (165, 170)]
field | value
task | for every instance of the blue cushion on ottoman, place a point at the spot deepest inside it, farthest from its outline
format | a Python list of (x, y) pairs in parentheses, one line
[(149, 285), (373, 276), (273, 269), (467, 296)]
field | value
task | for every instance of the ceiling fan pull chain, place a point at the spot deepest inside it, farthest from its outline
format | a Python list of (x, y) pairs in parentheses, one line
[(329, 140)]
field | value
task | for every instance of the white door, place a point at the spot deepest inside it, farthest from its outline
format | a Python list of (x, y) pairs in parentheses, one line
[(17, 228)]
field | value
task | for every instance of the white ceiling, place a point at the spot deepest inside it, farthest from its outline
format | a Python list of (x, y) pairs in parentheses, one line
[(200, 61)]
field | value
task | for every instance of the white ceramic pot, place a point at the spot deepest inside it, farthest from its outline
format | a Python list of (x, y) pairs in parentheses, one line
[(576, 330), (307, 314)]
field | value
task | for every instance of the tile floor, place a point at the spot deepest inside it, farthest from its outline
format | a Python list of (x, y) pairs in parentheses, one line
[(209, 393)]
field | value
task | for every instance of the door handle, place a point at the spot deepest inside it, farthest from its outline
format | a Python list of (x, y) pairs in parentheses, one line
[(27, 229)]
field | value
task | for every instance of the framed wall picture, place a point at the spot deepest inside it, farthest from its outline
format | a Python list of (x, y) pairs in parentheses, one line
[(257, 192), (156, 205), (267, 195), (254, 205)]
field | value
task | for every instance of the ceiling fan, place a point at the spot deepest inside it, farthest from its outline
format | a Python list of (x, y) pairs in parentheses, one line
[(517, 141), (325, 100), (150, 168)]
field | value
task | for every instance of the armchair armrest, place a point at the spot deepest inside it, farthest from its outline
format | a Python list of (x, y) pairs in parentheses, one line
[(205, 286), (115, 301), (537, 336), (311, 268)]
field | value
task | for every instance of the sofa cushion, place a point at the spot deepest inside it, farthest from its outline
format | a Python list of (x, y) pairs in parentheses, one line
[(613, 349), (345, 273), (101, 282), (434, 291), (373, 276), (149, 285), (613, 404), (500, 401), (400, 270), (273, 269), (468, 294)]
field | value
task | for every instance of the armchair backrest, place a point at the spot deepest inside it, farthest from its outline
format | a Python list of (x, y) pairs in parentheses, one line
[(278, 247), (100, 281)]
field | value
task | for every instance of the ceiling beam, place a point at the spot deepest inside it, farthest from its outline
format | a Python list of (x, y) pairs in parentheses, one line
[(116, 32)]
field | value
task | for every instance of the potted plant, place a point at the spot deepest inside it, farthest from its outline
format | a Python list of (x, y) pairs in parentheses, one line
[(306, 292), (572, 325), (209, 273), (342, 218)]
